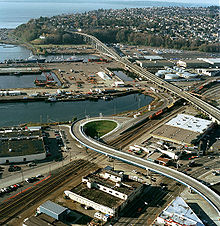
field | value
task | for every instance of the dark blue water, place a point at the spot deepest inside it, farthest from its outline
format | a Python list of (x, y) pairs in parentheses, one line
[(15, 12), (23, 81), (17, 113)]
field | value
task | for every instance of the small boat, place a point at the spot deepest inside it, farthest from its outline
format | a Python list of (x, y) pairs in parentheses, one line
[(106, 98), (52, 99), (17, 73)]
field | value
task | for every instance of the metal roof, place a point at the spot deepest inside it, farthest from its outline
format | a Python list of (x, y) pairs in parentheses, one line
[(178, 211), (53, 207)]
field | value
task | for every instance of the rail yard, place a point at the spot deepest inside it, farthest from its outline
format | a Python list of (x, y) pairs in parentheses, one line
[(142, 149)]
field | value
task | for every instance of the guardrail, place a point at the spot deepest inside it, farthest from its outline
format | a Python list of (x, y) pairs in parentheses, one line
[(95, 145)]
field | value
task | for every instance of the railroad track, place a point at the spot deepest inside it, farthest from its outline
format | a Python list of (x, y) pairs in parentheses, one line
[(18, 204), (124, 139), (163, 197)]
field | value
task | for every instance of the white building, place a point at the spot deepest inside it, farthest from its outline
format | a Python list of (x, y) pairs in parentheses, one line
[(103, 76), (209, 71), (119, 84), (212, 61), (178, 213), (189, 122)]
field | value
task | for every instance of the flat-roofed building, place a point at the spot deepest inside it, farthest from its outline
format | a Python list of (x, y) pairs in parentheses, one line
[(154, 63), (195, 63), (212, 61), (209, 71), (42, 220), (53, 210), (178, 213), (106, 191), (190, 122), (183, 129)]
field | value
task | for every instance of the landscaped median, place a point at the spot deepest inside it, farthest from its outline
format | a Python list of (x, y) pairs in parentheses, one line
[(99, 128)]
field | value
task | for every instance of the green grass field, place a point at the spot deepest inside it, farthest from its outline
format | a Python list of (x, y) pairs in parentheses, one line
[(97, 129)]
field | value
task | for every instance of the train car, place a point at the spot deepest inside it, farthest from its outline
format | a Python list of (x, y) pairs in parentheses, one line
[(170, 106), (159, 112)]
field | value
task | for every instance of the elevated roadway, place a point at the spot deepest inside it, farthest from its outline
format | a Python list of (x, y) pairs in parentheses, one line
[(211, 111), (77, 133)]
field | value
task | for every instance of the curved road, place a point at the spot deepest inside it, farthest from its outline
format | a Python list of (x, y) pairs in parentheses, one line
[(77, 133)]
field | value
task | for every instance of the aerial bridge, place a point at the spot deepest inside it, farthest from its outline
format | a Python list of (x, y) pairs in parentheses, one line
[(212, 112)]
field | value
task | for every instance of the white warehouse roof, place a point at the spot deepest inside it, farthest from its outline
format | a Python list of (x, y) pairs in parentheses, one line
[(103, 75), (190, 122), (153, 57), (211, 60), (179, 212)]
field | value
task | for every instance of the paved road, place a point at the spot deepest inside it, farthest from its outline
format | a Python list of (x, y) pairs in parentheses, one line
[(213, 112), (200, 188)]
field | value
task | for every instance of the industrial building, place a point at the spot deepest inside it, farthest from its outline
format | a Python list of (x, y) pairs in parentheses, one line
[(178, 213), (154, 63), (193, 63), (209, 71), (183, 129), (20, 144), (171, 76), (176, 74), (106, 191), (103, 76), (190, 122), (42, 220), (153, 57), (157, 158), (214, 62), (53, 210), (119, 84)]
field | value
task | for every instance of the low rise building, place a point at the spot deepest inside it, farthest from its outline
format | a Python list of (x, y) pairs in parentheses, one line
[(42, 220), (53, 210), (154, 63), (21, 144), (215, 62), (193, 63), (183, 129), (106, 191), (178, 213), (209, 71), (103, 76)]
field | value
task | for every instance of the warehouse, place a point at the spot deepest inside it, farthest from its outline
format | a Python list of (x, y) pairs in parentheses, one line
[(53, 210), (103, 76), (42, 220), (154, 63), (106, 191), (193, 64), (20, 144), (190, 122), (178, 213), (212, 61), (183, 129)]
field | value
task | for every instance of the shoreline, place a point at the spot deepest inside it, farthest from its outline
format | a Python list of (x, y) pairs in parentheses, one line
[(26, 99)]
